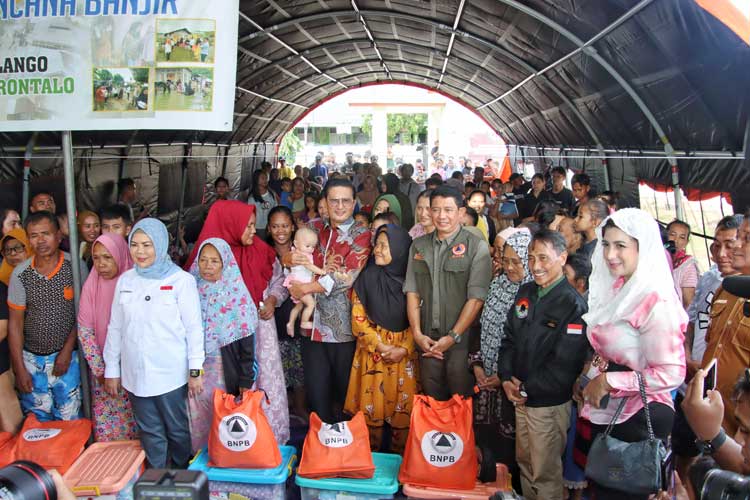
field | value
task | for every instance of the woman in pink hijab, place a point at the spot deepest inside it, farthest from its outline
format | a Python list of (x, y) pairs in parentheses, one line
[(113, 416)]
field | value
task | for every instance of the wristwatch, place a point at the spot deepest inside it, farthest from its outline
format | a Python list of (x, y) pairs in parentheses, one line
[(710, 447), (522, 391), (196, 373), (455, 336)]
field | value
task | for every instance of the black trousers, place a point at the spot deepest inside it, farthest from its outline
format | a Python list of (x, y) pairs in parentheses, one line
[(327, 366), (632, 430)]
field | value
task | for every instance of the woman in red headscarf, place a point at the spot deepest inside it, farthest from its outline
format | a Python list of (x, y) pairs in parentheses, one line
[(234, 222)]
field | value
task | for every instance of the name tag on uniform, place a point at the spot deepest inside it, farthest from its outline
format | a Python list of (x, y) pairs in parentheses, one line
[(574, 329), (167, 287), (418, 256)]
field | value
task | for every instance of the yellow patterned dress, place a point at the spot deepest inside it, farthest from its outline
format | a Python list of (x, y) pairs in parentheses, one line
[(383, 391)]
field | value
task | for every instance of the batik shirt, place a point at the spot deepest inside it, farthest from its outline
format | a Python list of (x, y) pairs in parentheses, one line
[(345, 250)]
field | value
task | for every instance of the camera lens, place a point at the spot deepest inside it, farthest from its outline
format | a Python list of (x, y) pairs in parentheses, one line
[(24, 480), (725, 485)]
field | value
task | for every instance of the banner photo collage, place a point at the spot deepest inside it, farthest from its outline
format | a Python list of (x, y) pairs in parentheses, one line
[(117, 64)]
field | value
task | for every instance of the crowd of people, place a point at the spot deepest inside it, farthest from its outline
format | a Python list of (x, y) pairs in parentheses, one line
[(557, 311)]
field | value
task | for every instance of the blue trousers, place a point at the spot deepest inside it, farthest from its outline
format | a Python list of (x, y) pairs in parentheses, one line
[(164, 427), (53, 397)]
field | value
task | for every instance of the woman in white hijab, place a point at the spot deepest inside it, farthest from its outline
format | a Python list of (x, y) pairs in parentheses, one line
[(635, 323)]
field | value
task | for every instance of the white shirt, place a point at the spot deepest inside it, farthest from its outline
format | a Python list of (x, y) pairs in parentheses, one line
[(155, 333)]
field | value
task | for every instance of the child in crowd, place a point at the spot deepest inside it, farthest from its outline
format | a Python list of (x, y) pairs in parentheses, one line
[(361, 217), (305, 241)]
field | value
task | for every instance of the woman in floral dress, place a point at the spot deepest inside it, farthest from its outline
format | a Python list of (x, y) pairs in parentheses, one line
[(384, 373), (113, 416)]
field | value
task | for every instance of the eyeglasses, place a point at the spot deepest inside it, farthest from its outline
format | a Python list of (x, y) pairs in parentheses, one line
[(343, 202), (8, 251)]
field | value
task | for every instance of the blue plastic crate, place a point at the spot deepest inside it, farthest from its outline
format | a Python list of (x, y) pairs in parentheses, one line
[(276, 475), (383, 484)]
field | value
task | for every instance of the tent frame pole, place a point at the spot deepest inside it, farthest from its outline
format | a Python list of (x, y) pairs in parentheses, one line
[(183, 187), (75, 258), (70, 203), (27, 176)]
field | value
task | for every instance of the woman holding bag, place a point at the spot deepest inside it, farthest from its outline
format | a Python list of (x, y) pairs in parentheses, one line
[(234, 222), (229, 322), (636, 325), (384, 374)]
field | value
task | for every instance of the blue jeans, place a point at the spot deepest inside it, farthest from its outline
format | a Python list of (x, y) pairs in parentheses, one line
[(164, 426), (52, 398)]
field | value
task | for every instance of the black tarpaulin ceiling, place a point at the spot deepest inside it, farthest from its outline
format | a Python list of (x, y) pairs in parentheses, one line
[(622, 74)]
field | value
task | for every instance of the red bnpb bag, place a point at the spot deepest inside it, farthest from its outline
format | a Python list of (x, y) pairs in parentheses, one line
[(440, 450), (53, 445), (241, 436), (337, 450)]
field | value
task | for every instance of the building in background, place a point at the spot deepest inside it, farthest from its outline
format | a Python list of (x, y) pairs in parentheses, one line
[(357, 122)]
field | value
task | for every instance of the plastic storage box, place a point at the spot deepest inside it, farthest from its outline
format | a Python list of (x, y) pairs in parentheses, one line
[(482, 491), (383, 485), (107, 471), (250, 484)]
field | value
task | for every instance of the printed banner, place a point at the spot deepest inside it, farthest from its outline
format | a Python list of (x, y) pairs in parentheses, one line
[(117, 64)]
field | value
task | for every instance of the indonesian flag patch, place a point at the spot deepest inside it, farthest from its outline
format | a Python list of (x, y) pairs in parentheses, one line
[(574, 329)]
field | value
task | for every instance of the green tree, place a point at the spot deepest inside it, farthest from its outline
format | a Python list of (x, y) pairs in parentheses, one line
[(102, 75), (407, 126), (118, 80), (140, 74), (367, 125), (290, 146)]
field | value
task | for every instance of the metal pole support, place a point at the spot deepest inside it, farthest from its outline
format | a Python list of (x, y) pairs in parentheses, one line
[(679, 209), (75, 258), (183, 188), (27, 176)]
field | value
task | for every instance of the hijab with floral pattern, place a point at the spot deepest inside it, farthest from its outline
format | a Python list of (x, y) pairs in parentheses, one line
[(500, 299), (229, 313)]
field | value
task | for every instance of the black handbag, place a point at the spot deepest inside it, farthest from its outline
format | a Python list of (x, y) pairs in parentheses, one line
[(627, 467)]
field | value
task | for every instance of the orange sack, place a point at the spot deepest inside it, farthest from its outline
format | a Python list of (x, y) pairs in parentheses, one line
[(440, 450), (337, 450), (7, 451), (241, 436), (53, 445)]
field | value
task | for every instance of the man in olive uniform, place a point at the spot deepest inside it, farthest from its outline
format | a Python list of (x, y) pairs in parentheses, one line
[(447, 280)]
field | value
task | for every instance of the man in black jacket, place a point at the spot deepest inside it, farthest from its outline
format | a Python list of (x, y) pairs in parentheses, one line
[(543, 351)]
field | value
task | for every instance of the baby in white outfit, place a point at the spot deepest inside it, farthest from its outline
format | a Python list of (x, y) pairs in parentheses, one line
[(305, 241)]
